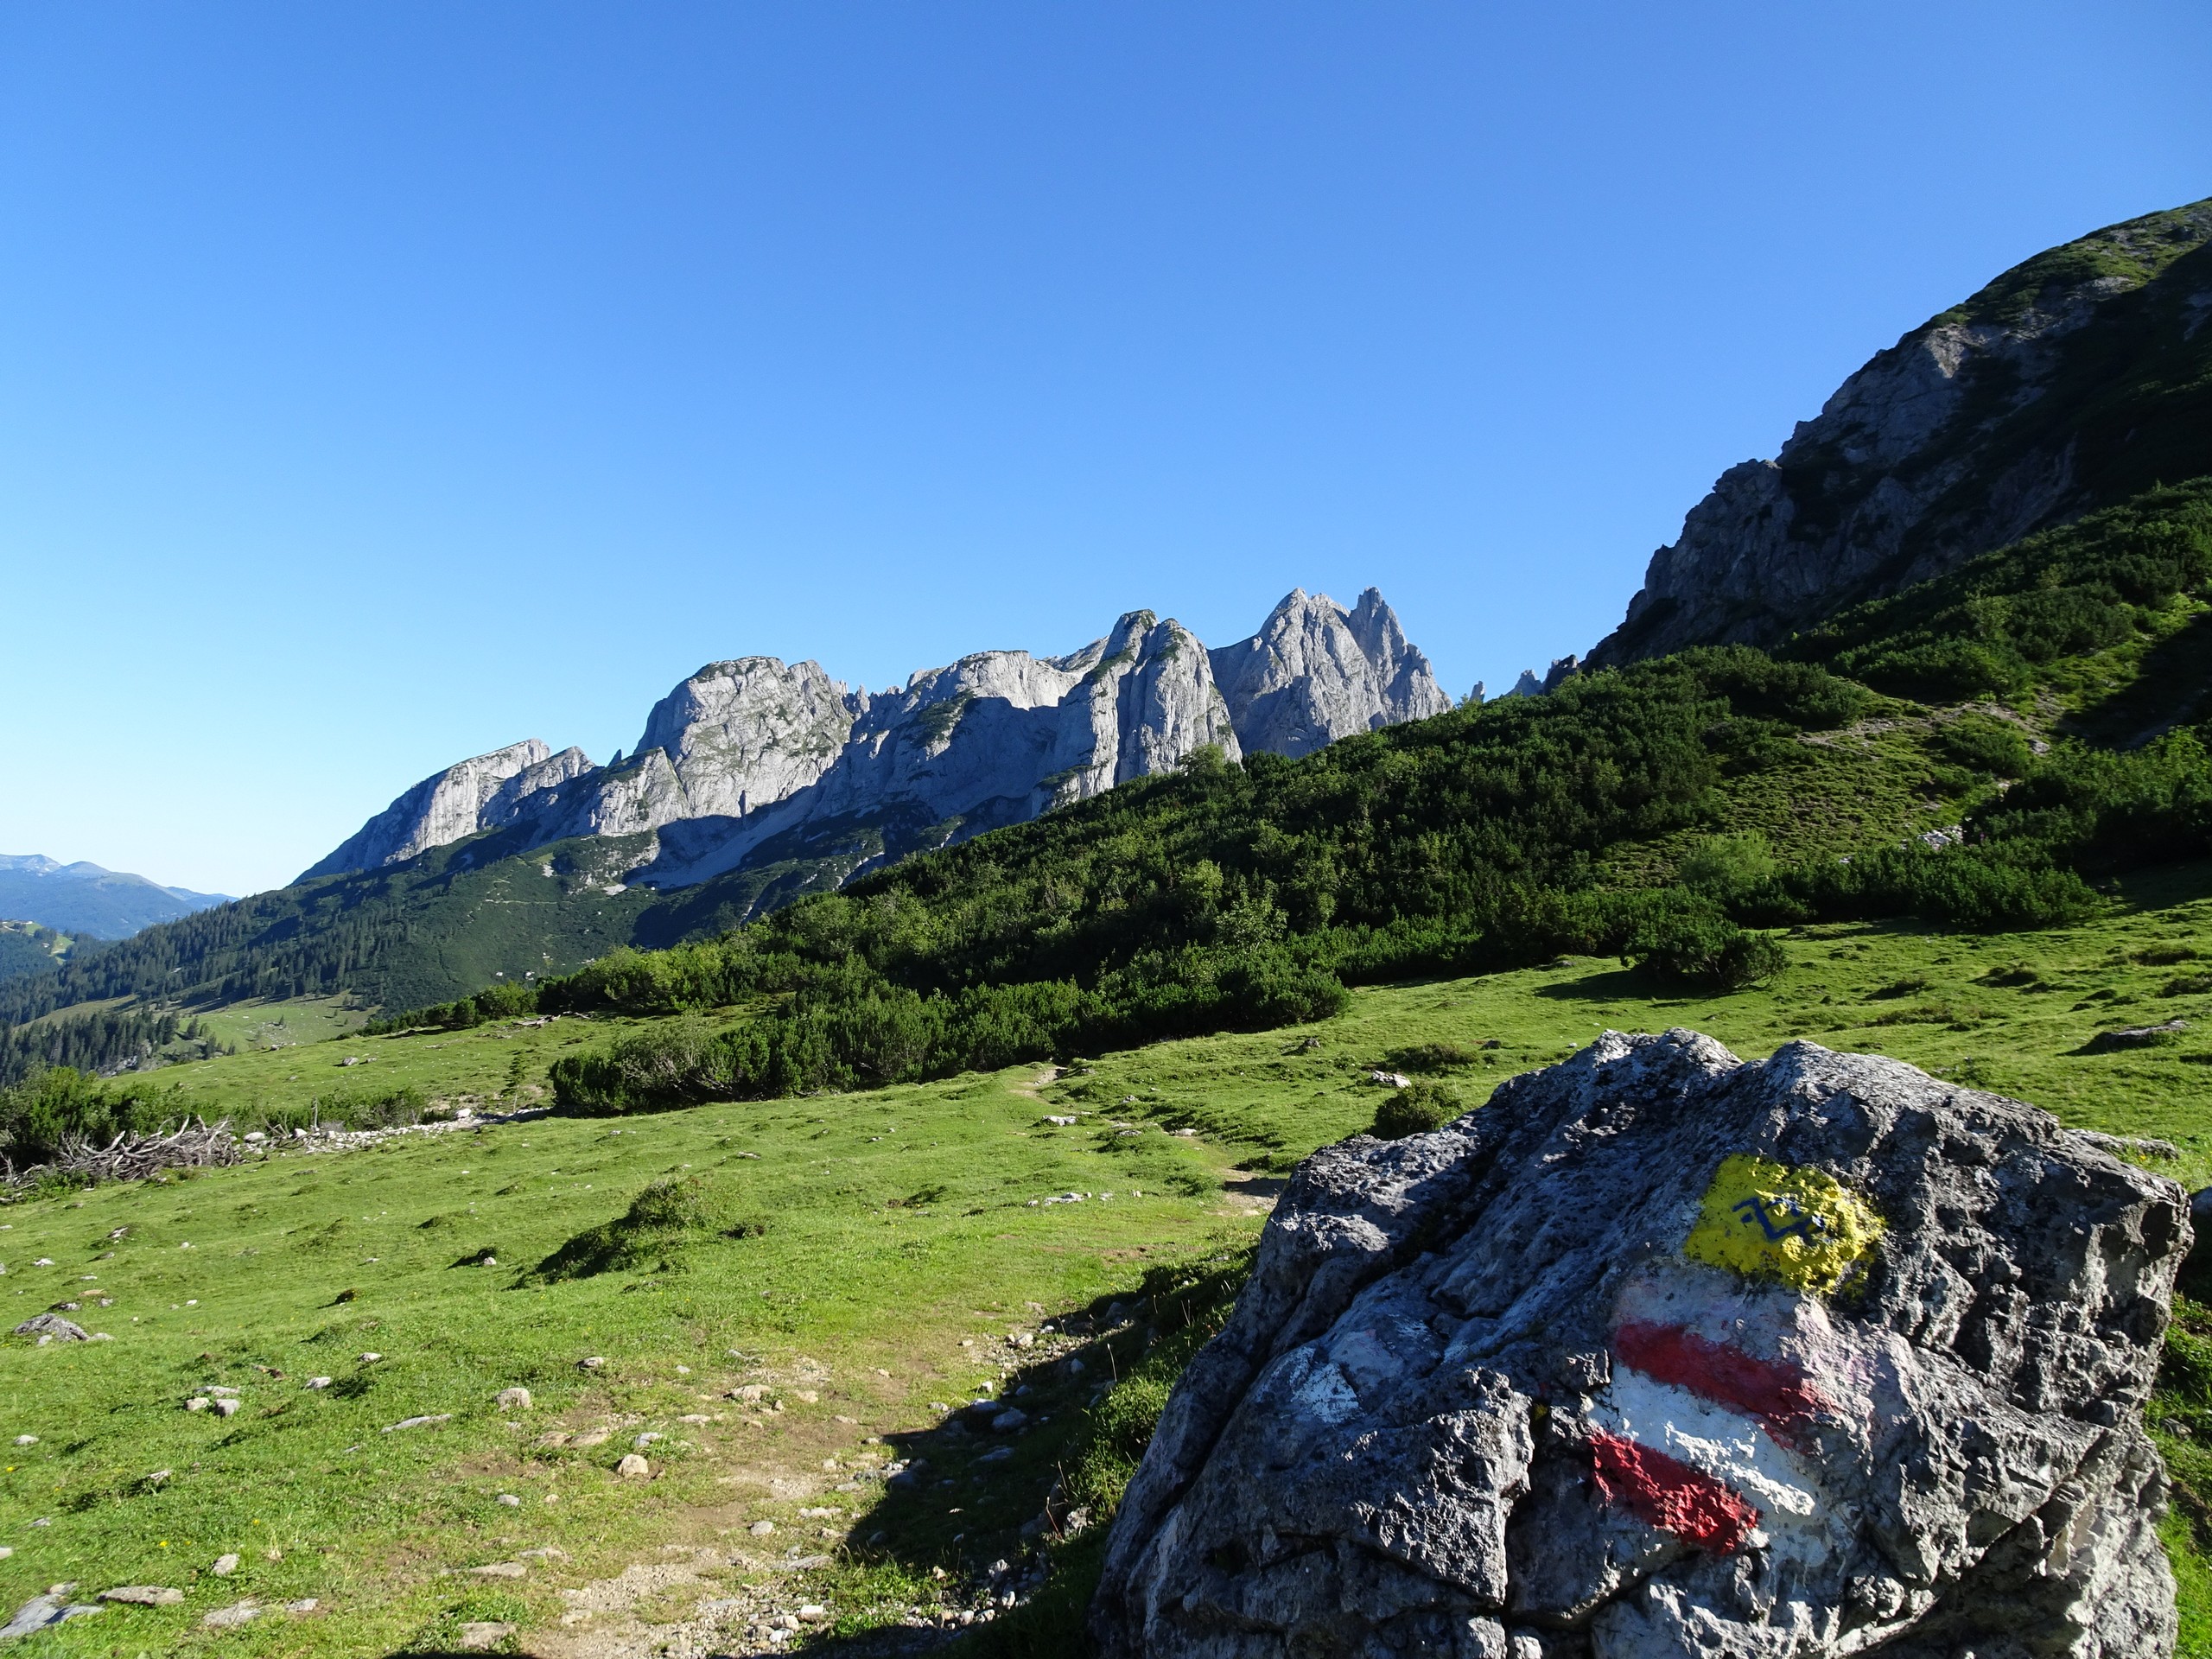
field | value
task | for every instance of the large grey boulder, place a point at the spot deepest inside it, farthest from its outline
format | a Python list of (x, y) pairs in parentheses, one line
[(1662, 1353)]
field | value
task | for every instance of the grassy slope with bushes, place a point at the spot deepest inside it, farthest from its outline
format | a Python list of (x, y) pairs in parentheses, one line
[(871, 1233), (1237, 896)]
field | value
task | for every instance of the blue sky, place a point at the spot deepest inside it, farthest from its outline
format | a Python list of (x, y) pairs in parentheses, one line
[(382, 383)]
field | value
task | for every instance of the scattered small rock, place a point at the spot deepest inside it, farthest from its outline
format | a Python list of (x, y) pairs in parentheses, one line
[(143, 1595), (227, 1407), (317, 1383), (509, 1500), (52, 1327), (418, 1422), (198, 1402), (633, 1467), (514, 1398), (500, 1570), (761, 1529), (225, 1565), (483, 1635), (26, 1439), (371, 1359), (594, 1362), (224, 1618), (2137, 1037), (304, 1604), (40, 1611)]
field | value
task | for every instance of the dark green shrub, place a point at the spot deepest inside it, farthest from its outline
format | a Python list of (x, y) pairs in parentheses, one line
[(1701, 946), (666, 1220), (1415, 1110), (1986, 744), (1728, 867), (1430, 1056)]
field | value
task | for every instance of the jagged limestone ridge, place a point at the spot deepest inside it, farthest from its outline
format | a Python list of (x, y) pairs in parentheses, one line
[(753, 752)]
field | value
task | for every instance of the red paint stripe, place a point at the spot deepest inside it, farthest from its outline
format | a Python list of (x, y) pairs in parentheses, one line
[(1668, 1493), (1775, 1391)]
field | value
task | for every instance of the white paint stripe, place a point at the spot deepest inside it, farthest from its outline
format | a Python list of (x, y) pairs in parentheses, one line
[(1734, 1450)]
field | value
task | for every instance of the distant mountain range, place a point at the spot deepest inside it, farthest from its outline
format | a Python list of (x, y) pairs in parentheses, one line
[(84, 899), (2079, 380), (754, 761)]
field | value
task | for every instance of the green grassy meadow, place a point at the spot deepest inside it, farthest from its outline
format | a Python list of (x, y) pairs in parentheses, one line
[(874, 1262)]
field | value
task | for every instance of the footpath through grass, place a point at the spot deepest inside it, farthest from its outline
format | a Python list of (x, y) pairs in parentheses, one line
[(805, 1298)]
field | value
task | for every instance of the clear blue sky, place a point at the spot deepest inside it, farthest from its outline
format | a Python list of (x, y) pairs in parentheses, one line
[(380, 384)]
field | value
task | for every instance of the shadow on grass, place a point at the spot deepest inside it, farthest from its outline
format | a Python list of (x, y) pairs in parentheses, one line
[(1006, 1522)]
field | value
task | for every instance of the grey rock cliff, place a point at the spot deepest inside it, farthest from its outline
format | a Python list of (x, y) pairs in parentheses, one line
[(995, 738), (1315, 672), (735, 737), (755, 761), (2052, 392), (442, 808), (1660, 1353)]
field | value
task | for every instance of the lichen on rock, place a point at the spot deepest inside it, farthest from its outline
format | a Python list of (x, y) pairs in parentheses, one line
[(1665, 1353)]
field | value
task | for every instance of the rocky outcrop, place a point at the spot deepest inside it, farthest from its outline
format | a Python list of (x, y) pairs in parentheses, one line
[(442, 808), (995, 738), (733, 738), (1315, 672), (2060, 387), (756, 760), (1660, 1353)]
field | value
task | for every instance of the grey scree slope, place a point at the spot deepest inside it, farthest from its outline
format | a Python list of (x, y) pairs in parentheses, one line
[(1398, 1444)]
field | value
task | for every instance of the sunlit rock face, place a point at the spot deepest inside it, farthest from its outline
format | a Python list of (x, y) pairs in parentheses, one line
[(1664, 1354), (446, 806), (756, 759), (2048, 394), (1316, 672)]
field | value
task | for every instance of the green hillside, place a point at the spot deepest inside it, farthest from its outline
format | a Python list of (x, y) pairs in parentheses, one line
[(862, 1260), (1235, 895)]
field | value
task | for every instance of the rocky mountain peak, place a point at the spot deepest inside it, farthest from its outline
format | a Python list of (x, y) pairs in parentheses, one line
[(2063, 385), (754, 758), (1315, 672), (443, 807)]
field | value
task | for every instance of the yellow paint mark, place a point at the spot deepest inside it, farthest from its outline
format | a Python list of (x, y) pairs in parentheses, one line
[(1771, 1221)]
